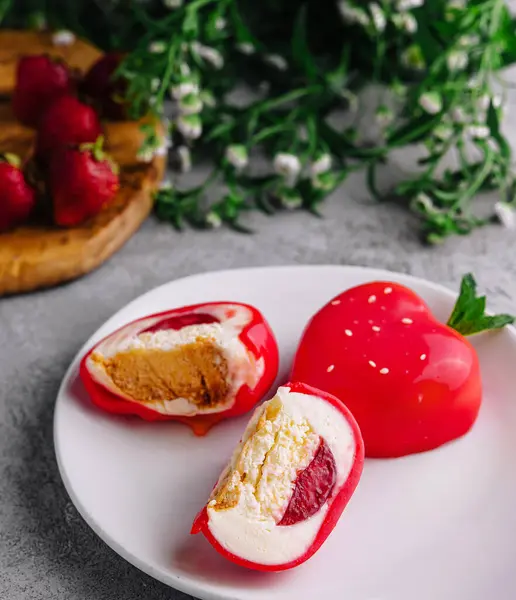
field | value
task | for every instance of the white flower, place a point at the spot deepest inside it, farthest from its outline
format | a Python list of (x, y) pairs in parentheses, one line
[(220, 23), (378, 16), (505, 214), (213, 220), (459, 115), (185, 88), (157, 47), (185, 69), (209, 54), (479, 131), (403, 5), (236, 155), (431, 102), (190, 126), (63, 38), (276, 61), (155, 84), (405, 21), (190, 104), (469, 40), (321, 165), (246, 48), (353, 15), (457, 60), (287, 165), (172, 3)]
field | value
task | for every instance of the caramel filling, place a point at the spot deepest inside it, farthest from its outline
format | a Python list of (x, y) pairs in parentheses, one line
[(197, 372)]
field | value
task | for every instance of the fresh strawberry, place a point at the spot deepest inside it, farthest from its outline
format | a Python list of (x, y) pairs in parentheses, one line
[(17, 197), (40, 80), (104, 88), (66, 122), (81, 181)]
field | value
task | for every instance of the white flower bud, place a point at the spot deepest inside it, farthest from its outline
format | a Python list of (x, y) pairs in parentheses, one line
[(405, 21), (190, 126), (236, 155), (220, 23), (287, 165), (210, 55), (321, 165), (457, 60), (246, 48), (155, 84), (213, 220), (277, 61), (145, 155), (431, 102), (172, 4), (505, 214), (403, 5), (190, 104), (157, 47), (163, 148), (378, 15), (478, 131), (353, 15), (63, 38), (459, 115), (183, 89)]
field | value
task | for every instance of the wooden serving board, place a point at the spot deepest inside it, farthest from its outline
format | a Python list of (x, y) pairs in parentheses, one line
[(36, 255)]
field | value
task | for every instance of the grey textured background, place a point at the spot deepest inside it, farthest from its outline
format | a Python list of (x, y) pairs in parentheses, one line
[(46, 550)]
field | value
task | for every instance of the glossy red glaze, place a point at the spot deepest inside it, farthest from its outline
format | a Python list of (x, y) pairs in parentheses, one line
[(411, 382), (256, 335), (312, 488), (337, 499)]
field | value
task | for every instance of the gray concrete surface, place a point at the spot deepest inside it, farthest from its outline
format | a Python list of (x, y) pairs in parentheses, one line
[(46, 550)]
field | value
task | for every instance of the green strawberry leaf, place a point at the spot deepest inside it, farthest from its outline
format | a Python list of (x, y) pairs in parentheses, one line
[(468, 316)]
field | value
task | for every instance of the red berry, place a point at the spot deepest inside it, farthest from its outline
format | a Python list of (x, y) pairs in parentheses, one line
[(67, 122), (40, 80), (17, 197), (104, 89), (82, 182)]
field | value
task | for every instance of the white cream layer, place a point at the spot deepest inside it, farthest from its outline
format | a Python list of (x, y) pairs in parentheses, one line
[(244, 530), (243, 368)]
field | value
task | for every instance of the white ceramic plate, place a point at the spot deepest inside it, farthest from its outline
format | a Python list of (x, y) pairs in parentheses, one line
[(436, 526)]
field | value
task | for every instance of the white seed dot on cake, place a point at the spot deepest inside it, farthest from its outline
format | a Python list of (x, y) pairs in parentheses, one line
[(384, 371), (423, 356), (376, 328), (372, 363), (348, 332), (330, 368), (371, 299), (335, 302), (387, 290), (407, 321)]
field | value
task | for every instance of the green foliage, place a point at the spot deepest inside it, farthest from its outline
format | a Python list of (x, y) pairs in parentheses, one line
[(305, 62)]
